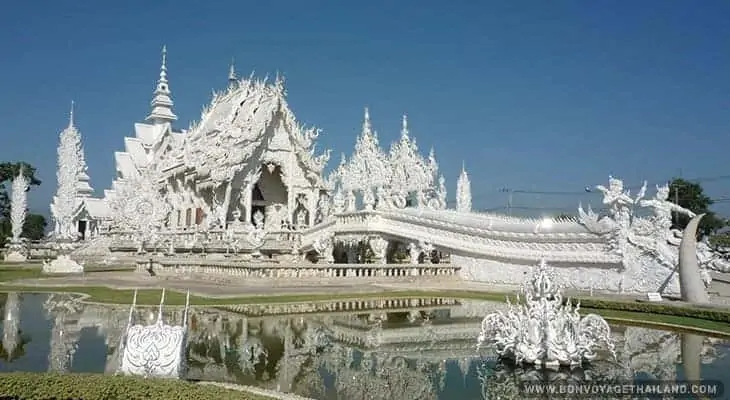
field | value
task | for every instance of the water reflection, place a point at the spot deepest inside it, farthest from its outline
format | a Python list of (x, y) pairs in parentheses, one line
[(371, 349)]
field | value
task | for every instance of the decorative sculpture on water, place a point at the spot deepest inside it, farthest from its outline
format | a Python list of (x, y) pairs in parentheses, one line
[(18, 211), (12, 339), (156, 350), (543, 331)]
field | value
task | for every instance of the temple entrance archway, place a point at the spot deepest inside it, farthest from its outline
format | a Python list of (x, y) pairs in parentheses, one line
[(270, 196)]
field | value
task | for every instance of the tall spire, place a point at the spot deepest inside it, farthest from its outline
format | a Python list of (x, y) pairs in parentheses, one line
[(404, 130), (463, 191), (367, 127), (71, 115), (232, 77), (162, 103)]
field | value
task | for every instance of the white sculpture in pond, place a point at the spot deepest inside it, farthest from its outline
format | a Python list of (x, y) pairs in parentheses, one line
[(18, 211), (156, 350), (543, 331)]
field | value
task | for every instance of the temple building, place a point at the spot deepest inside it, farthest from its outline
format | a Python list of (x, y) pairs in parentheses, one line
[(247, 159)]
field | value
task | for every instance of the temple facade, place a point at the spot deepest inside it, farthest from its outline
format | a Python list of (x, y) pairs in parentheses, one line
[(245, 181), (247, 161)]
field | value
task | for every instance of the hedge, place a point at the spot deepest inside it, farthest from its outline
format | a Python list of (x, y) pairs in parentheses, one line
[(694, 311), (44, 386)]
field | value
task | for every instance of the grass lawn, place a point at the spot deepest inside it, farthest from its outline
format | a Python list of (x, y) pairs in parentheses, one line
[(11, 272), (29, 385), (152, 297)]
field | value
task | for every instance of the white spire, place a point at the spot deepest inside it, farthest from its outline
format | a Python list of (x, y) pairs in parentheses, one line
[(404, 129), (463, 191), (162, 103), (71, 115), (366, 125), (232, 77)]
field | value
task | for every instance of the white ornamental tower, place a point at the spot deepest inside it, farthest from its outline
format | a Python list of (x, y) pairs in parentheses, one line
[(463, 192), (162, 102), (72, 180)]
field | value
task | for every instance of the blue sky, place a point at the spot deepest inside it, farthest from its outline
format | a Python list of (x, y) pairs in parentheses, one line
[(532, 95)]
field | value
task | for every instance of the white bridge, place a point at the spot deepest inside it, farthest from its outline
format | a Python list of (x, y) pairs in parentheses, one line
[(496, 237)]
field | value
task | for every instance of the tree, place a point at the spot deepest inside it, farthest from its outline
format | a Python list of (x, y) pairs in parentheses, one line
[(8, 171), (691, 196), (34, 227)]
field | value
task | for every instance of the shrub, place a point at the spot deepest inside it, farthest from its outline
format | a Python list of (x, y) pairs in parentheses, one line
[(694, 311), (34, 386)]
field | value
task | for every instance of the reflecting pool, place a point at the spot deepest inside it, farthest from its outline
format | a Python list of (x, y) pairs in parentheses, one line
[(399, 349)]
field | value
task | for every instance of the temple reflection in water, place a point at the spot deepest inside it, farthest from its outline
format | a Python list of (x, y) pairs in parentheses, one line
[(370, 349)]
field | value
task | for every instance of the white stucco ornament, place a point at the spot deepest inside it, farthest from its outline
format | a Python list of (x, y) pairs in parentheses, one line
[(155, 350), (18, 210), (543, 331), (139, 207)]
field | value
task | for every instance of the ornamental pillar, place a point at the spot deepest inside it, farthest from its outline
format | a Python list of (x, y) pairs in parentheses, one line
[(247, 201)]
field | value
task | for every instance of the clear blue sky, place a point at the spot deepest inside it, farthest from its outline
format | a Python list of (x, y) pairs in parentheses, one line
[(535, 95)]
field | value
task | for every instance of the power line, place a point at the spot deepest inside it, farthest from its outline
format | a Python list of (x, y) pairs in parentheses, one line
[(590, 190)]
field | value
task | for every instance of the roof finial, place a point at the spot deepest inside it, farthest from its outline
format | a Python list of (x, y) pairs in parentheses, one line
[(163, 67), (463, 166), (232, 77), (162, 103), (404, 129), (366, 126), (71, 115)]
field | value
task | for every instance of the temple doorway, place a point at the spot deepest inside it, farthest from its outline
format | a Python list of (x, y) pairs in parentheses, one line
[(270, 196), (81, 226)]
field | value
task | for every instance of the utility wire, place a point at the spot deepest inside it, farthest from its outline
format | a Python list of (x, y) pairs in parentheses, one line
[(589, 190)]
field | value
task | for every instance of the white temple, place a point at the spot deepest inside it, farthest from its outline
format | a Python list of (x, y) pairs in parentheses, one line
[(245, 181)]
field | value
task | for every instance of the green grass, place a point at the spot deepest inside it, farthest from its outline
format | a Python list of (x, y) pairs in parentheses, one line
[(646, 313), (652, 320), (12, 272), (30, 385), (152, 297)]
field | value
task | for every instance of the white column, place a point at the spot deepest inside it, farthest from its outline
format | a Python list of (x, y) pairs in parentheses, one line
[(247, 200)]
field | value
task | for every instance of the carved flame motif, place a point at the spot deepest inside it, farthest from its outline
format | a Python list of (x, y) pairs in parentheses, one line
[(154, 350), (543, 330), (138, 206)]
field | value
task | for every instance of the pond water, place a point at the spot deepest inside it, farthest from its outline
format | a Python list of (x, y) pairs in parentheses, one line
[(407, 349)]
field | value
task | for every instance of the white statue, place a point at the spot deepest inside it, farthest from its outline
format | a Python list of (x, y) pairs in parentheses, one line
[(257, 235), (323, 204), (18, 211), (663, 209), (414, 251), (619, 203), (157, 350), (545, 331)]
